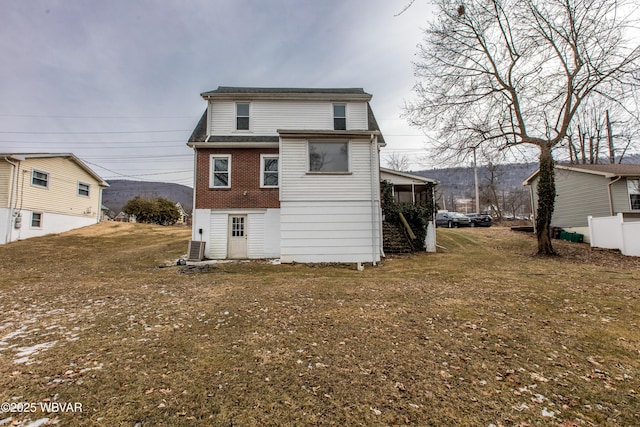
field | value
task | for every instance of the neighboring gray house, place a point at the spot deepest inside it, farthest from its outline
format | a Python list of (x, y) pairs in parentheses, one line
[(590, 190)]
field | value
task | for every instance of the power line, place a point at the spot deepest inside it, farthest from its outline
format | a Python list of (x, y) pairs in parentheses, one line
[(95, 133), (46, 116)]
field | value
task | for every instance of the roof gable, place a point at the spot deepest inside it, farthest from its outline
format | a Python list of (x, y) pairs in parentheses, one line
[(70, 156)]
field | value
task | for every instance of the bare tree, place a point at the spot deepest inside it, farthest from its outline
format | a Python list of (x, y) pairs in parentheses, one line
[(506, 74), (397, 161)]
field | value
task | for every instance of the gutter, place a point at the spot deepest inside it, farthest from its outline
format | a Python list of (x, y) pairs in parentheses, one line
[(376, 220)]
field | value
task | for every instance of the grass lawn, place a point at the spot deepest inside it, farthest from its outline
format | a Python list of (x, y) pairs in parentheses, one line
[(482, 333)]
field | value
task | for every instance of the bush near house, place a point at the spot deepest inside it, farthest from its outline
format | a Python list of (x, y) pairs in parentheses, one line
[(159, 211), (416, 215)]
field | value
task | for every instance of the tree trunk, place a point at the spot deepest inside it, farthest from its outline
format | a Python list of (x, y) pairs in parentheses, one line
[(546, 201)]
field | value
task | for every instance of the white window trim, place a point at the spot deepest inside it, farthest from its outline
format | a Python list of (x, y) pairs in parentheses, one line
[(629, 193), (88, 189), (262, 171), (39, 227), (212, 157), (346, 115), (33, 171), (308, 167), (235, 116)]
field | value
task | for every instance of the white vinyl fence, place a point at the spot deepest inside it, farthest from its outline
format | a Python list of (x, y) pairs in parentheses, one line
[(612, 232)]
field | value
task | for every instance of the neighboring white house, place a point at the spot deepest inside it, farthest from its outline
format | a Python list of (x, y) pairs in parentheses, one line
[(289, 173), (46, 193)]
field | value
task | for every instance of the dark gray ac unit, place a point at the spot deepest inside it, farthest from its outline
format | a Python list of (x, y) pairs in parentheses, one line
[(196, 250)]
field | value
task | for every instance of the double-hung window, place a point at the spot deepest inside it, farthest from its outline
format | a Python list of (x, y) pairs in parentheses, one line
[(339, 117), (220, 171), (269, 170), (39, 179), (36, 220), (329, 157), (83, 189), (242, 116), (633, 188)]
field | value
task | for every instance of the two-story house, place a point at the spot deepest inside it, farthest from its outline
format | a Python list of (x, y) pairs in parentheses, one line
[(289, 173), (46, 193)]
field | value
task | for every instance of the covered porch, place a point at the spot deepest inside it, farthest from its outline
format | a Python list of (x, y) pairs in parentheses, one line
[(409, 188)]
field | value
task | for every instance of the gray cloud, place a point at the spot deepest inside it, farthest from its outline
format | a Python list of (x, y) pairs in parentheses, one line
[(111, 67)]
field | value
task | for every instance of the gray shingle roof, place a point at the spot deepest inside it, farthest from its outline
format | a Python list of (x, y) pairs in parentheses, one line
[(623, 169), (290, 90)]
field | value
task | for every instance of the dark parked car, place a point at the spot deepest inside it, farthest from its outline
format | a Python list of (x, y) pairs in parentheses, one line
[(480, 220), (452, 220)]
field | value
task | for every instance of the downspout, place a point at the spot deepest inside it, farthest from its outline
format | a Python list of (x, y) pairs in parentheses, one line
[(611, 195), (193, 203), (375, 175), (16, 168)]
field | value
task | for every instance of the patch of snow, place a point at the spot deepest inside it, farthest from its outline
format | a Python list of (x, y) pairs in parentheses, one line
[(38, 423), (3, 340), (24, 352)]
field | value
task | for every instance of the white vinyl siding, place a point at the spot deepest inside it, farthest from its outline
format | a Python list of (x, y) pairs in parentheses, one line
[(262, 227), (255, 238), (218, 235), (297, 184), (331, 231), (269, 116)]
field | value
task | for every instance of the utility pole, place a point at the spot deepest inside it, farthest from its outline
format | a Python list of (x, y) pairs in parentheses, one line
[(612, 155), (475, 176)]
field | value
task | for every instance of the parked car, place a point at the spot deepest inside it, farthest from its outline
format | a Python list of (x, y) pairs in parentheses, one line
[(452, 220), (480, 220)]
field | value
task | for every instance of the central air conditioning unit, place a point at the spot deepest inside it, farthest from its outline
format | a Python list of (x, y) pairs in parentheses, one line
[(196, 250)]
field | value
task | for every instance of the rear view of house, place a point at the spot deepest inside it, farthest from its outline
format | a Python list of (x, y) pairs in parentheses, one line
[(46, 193), (288, 173)]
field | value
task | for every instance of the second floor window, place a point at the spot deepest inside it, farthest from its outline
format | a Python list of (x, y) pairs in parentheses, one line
[(328, 157), (242, 116), (83, 189), (40, 179), (339, 117), (269, 169), (220, 171)]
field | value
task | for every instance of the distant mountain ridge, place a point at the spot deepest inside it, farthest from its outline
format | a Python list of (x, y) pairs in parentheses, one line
[(459, 181), (120, 191)]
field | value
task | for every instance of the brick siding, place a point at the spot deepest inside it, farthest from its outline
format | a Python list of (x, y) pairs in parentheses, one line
[(245, 191)]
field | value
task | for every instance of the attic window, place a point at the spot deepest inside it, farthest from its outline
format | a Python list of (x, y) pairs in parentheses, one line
[(633, 187), (242, 116), (339, 117)]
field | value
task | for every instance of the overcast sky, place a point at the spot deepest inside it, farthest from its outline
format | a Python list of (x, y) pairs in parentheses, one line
[(118, 82)]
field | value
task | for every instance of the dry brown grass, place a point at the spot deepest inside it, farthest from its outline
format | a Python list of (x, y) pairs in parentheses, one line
[(482, 333)]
